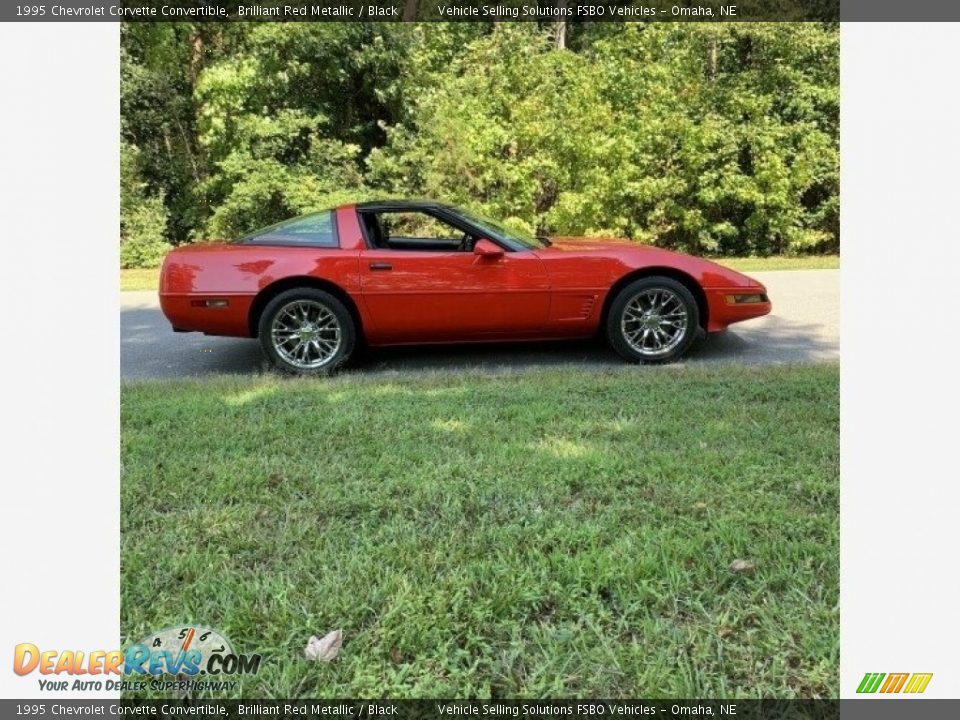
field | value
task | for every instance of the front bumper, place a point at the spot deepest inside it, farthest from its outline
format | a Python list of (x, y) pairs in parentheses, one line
[(732, 305)]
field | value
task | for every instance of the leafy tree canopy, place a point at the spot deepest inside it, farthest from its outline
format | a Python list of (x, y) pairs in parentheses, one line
[(709, 138)]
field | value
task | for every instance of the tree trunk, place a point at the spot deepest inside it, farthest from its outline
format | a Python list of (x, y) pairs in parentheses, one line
[(197, 50), (410, 10), (196, 55)]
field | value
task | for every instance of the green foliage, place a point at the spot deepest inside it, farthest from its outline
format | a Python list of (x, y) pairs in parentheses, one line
[(144, 244), (719, 139), (516, 130), (711, 138), (143, 226)]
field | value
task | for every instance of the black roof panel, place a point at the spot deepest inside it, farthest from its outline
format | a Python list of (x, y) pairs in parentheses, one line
[(390, 203)]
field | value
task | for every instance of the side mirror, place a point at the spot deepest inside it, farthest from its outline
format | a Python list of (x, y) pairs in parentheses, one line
[(487, 249)]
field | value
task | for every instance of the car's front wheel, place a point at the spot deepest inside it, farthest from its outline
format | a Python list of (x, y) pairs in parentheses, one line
[(653, 320), (307, 332)]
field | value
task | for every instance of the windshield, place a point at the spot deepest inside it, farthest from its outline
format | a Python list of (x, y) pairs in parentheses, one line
[(495, 228)]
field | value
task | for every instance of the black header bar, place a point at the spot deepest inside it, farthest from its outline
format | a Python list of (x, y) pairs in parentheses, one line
[(479, 10), (423, 10)]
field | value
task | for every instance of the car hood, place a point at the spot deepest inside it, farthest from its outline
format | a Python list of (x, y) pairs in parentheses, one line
[(606, 244), (706, 271), (579, 244), (613, 245)]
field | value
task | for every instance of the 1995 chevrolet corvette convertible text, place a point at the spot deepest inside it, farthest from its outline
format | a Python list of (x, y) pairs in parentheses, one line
[(402, 273)]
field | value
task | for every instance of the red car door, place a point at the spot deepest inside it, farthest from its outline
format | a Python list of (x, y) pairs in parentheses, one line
[(442, 296)]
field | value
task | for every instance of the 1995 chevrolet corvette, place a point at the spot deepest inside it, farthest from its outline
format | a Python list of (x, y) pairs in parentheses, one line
[(404, 272)]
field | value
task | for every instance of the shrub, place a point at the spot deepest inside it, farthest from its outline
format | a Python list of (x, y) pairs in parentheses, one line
[(142, 235)]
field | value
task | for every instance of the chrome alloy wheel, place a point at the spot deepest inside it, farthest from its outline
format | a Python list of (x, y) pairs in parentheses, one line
[(306, 334), (654, 322)]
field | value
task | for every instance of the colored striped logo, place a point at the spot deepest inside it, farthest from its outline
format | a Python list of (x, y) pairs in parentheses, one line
[(894, 682)]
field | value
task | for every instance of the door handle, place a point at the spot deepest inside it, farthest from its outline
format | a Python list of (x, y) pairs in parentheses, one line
[(381, 266)]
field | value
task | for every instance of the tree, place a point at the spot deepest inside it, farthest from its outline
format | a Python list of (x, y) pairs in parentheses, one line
[(714, 138)]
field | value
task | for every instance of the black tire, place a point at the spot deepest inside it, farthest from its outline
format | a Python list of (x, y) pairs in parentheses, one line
[(625, 330), (327, 326)]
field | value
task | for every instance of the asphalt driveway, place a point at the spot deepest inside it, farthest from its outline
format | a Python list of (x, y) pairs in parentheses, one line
[(804, 327)]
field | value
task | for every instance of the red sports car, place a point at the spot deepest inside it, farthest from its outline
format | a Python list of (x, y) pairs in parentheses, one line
[(401, 273)]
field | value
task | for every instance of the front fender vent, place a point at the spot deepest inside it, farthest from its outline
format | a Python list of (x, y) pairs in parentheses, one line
[(573, 306)]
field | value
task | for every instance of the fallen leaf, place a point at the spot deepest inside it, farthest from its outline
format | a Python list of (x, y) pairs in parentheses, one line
[(396, 656), (325, 648), (742, 566)]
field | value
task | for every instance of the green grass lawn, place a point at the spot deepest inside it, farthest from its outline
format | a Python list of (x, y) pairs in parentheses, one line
[(146, 278), (761, 264), (139, 278), (548, 533)]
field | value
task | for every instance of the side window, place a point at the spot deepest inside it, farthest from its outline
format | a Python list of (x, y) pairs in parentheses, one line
[(412, 230), (314, 230)]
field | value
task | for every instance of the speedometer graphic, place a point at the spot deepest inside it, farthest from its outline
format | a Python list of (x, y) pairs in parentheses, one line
[(183, 649)]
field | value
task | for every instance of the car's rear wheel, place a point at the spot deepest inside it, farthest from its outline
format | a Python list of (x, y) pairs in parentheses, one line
[(653, 320), (307, 332)]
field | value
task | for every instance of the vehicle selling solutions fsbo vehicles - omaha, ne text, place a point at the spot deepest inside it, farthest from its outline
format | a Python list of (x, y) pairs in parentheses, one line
[(406, 273)]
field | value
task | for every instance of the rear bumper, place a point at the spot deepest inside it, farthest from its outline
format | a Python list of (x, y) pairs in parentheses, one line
[(724, 309), (190, 313)]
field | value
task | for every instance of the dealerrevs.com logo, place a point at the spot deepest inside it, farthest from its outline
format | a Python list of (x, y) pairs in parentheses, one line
[(172, 659), (890, 683)]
